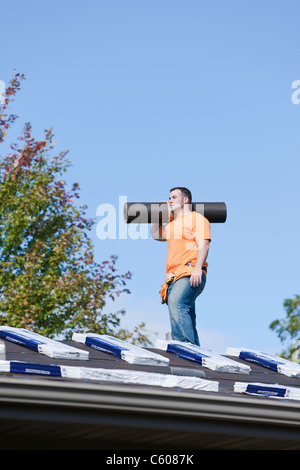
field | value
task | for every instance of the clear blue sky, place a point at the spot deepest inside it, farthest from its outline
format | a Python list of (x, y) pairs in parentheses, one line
[(150, 94)]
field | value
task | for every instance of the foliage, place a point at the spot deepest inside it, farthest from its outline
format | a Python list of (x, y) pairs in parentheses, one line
[(288, 328), (49, 280)]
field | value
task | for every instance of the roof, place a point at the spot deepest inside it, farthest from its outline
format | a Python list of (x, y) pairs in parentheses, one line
[(52, 412)]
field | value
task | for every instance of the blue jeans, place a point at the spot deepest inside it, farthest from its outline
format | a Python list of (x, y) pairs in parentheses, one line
[(181, 303)]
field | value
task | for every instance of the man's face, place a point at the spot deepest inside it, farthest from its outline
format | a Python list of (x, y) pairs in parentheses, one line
[(176, 200)]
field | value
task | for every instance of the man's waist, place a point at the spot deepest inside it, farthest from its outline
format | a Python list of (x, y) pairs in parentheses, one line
[(181, 271), (176, 267)]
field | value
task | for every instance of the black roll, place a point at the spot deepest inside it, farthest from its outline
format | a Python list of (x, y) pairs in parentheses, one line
[(159, 212)]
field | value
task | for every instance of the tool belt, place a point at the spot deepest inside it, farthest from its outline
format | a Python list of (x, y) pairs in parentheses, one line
[(181, 271)]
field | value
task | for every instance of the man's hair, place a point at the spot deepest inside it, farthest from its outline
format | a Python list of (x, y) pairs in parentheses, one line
[(185, 192)]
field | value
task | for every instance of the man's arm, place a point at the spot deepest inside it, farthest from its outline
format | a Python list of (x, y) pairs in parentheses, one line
[(157, 232), (203, 247), (157, 229)]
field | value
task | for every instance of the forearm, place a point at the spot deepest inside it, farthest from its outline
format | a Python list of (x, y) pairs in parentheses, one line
[(202, 253), (156, 232), (157, 229)]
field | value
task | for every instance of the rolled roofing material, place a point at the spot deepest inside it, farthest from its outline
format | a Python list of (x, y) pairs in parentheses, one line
[(155, 212), (270, 361), (122, 349), (206, 358), (267, 390), (41, 344), (110, 375)]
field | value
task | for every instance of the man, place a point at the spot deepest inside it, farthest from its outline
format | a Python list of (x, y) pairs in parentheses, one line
[(188, 238)]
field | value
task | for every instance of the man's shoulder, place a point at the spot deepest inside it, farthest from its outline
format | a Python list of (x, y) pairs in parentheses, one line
[(196, 215), (198, 220)]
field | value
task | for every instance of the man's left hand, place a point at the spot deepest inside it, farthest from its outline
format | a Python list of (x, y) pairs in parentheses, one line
[(196, 277)]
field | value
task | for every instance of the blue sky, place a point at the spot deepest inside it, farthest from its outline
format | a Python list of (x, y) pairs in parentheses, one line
[(151, 94)]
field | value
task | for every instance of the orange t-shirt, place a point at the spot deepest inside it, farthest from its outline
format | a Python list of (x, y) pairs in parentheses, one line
[(183, 234)]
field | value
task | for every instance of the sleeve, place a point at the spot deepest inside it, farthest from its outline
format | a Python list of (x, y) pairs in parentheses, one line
[(201, 229)]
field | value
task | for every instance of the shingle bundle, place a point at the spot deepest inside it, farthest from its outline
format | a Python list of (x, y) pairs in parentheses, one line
[(206, 358), (110, 375), (268, 390), (41, 344), (122, 349), (270, 361)]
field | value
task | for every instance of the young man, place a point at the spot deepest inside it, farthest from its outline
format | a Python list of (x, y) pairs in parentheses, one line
[(188, 238)]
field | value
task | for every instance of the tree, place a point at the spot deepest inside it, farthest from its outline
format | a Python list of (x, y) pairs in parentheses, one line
[(49, 280), (288, 328)]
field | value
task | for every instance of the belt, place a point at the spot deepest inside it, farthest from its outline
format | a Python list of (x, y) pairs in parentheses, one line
[(204, 270)]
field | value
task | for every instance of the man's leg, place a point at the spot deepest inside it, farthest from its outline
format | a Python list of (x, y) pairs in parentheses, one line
[(181, 303)]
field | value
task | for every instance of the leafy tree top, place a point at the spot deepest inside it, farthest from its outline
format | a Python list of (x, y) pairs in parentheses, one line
[(49, 279)]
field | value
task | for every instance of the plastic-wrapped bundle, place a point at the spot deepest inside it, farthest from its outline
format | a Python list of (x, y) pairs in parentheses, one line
[(121, 349), (30, 368), (149, 378), (110, 375), (270, 361), (206, 358), (41, 344), (268, 390)]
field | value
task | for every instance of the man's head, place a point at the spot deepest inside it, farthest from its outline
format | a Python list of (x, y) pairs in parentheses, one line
[(179, 196)]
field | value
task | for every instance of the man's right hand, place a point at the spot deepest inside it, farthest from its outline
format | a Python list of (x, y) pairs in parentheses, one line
[(171, 215)]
